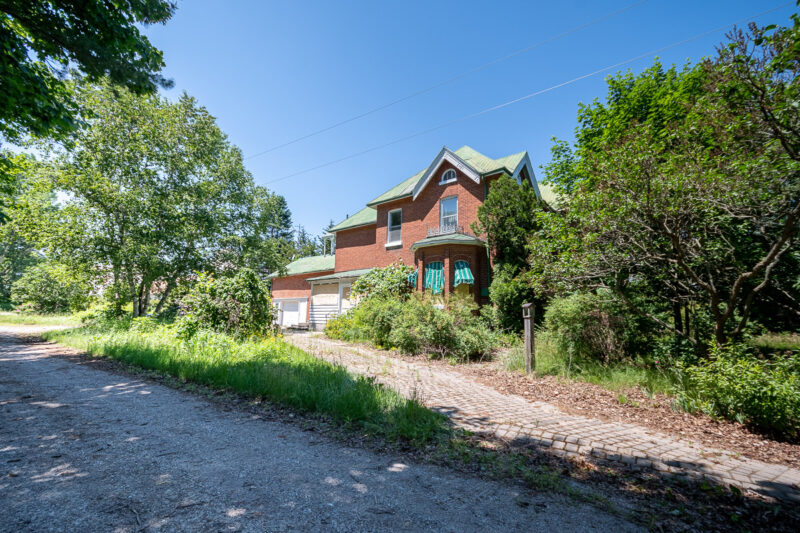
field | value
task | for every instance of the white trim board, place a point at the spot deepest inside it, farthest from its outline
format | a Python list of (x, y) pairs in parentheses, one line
[(445, 155)]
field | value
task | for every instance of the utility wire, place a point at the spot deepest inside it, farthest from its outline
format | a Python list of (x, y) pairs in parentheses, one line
[(528, 96), (449, 80)]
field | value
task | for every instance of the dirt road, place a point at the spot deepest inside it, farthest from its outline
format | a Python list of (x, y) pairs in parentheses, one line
[(83, 449)]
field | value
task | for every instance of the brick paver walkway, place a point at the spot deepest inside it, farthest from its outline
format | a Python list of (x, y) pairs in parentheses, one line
[(479, 408)]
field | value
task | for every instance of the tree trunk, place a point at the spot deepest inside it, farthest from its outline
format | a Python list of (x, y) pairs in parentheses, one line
[(163, 299), (676, 316)]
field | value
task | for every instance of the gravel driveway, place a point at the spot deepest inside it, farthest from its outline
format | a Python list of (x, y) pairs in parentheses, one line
[(83, 449)]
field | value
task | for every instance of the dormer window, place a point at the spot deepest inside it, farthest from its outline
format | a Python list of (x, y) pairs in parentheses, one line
[(449, 176)]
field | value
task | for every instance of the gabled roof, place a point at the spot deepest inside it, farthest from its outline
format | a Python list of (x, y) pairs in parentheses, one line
[(480, 163), (305, 265), (365, 217)]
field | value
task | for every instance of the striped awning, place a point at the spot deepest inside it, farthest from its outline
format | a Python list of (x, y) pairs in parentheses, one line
[(434, 277), (463, 274), (412, 278)]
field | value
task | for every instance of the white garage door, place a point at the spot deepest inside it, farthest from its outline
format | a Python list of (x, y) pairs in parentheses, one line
[(291, 314)]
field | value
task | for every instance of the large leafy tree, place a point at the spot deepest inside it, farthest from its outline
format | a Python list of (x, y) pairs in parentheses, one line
[(41, 39), (150, 192), (683, 191)]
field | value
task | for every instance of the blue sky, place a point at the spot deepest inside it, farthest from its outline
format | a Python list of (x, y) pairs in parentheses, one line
[(274, 71)]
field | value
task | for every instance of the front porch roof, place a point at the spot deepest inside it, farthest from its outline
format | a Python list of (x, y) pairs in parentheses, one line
[(342, 275), (454, 238)]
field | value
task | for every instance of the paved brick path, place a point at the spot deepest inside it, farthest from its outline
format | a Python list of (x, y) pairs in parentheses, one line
[(479, 408)]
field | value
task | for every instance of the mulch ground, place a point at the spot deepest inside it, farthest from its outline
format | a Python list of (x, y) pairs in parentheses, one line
[(656, 412)]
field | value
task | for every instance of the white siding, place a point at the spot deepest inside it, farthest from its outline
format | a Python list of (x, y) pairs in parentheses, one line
[(324, 303)]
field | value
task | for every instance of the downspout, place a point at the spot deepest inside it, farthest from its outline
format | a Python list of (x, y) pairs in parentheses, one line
[(488, 253)]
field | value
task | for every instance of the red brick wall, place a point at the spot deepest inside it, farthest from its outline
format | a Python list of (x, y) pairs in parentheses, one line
[(295, 286), (366, 247)]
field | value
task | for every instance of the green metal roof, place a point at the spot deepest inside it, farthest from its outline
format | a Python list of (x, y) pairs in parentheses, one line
[(366, 216), (341, 275), (454, 238), (479, 162), (548, 195), (304, 265)]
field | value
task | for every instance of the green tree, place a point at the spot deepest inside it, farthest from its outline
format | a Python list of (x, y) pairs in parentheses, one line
[(151, 191), (41, 39), (51, 288), (684, 187), (508, 218)]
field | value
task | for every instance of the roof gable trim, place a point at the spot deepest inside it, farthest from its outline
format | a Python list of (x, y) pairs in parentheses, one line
[(445, 155)]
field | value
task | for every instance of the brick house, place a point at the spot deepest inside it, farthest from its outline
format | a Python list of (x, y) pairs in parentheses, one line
[(423, 222)]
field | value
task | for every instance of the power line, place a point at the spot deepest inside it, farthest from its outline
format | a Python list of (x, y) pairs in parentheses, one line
[(449, 80), (528, 96)]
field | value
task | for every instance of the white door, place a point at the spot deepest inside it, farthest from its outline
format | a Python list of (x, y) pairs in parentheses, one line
[(291, 314)]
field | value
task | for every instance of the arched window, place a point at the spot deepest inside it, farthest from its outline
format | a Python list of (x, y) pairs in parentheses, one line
[(448, 176)]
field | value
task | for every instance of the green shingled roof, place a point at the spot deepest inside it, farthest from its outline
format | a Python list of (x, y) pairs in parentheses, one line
[(342, 275), (453, 238), (364, 217), (304, 265), (479, 162)]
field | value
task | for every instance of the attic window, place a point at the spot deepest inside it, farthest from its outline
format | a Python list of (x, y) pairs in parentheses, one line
[(449, 176)]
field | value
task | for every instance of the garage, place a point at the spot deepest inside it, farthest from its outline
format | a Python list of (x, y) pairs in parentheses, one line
[(291, 312)]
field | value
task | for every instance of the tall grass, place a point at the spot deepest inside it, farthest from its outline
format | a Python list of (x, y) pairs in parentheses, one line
[(24, 319), (269, 368), (550, 361)]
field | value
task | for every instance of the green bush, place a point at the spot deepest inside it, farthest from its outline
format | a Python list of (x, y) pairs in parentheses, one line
[(508, 291), (51, 288), (417, 325), (387, 282), (596, 327), (733, 384), (239, 305)]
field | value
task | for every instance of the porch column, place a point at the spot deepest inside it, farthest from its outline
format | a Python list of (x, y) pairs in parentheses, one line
[(419, 259), (448, 275)]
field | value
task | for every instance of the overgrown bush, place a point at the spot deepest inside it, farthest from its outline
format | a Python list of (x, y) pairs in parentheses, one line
[(416, 326), (51, 288), (239, 305), (508, 291), (734, 384), (388, 282), (592, 326)]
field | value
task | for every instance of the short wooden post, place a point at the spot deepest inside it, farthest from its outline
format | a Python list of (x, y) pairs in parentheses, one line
[(528, 314)]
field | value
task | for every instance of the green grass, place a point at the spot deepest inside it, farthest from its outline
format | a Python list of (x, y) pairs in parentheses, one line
[(776, 342), (21, 319), (616, 377), (268, 368)]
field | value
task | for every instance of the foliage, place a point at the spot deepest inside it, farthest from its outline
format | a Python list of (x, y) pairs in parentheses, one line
[(387, 282), (508, 218), (263, 368), (30, 319), (51, 288), (415, 325), (735, 385), (593, 326), (177, 199), (16, 255), (41, 40), (239, 305), (683, 191)]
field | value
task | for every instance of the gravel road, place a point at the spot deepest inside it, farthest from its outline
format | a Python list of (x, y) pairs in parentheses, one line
[(84, 449)]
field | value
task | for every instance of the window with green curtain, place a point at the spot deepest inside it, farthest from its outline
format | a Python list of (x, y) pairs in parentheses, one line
[(463, 274), (434, 277), (412, 278)]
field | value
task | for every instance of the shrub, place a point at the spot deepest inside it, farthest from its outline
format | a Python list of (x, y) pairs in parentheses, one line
[(51, 288), (387, 282), (596, 327), (418, 326), (239, 305), (735, 385)]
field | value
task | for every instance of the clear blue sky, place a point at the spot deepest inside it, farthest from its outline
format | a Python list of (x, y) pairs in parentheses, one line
[(274, 71)]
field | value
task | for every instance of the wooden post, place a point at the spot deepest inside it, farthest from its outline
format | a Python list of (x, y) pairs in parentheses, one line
[(528, 314)]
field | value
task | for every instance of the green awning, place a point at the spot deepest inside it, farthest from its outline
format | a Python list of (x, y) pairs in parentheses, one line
[(434, 277), (412, 278), (463, 274)]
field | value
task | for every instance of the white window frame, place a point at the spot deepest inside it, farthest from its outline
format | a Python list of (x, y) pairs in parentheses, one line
[(449, 172), (399, 241), (441, 221)]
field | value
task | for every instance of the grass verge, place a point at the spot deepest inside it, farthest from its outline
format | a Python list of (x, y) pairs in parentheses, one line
[(263, 368), (19, 319), (615, 377)]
